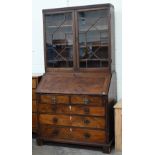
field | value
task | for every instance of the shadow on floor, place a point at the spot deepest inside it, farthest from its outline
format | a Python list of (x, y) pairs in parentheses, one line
[(50, 149)]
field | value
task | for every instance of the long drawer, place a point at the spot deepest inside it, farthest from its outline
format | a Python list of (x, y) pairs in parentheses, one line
[(72, 109), (74, 134), (77, 121)]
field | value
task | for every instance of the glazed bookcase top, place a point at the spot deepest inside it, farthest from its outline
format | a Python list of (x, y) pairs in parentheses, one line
[(78, 38)]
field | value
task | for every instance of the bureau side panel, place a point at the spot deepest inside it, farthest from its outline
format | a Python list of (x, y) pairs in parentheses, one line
[(112, 98)]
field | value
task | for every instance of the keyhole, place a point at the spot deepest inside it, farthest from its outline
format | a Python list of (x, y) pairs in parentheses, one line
[(70, 129)]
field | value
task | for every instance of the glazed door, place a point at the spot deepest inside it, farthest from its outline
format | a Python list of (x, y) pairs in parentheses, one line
[(93, 38), (77, 39), (59, 48)]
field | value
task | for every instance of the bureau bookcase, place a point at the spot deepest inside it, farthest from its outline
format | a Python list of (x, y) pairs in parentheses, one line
[(75, 96)]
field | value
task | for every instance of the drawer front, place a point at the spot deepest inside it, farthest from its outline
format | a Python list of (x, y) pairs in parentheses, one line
[(88, 122), (73, 134), (34, 83), (50, 108), (33, 94), (72, 109), (54, 119), (91, 136), (87, 110), (34, 120), (87, 100), (52, 99), (34, 106), (54, 132), (76, 121)]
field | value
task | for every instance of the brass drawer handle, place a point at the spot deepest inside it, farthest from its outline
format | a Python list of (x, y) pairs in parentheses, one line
[(55, 120), (86, 101), (55, 132), (53, 99), (86, 110), (86, 121), (87, 135)]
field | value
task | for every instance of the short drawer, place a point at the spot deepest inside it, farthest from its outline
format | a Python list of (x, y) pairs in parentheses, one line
[(33, 94), (87, 100), (34, 83), (34, 106), (34, 120), (54, 99), (73, 134), (76, 121)]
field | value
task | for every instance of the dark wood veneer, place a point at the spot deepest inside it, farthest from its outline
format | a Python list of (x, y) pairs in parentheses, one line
[(72, 109), (76, 121), (74, 134)]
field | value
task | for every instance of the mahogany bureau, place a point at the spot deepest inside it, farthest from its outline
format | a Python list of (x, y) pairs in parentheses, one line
[(35, 80), (75, 96)]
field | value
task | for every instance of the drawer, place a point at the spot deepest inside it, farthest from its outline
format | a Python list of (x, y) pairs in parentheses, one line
[(34, 106), (34, 120), (33, 94), (87, 100), (72, 109), (54, 119), (87, 110), (50, 108), (88, 122), (73, 134), (53, 99), (34, 83), (50, 132), (76, 121), (87, 135)]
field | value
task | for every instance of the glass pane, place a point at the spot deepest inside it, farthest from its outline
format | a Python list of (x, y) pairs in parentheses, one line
[(59, 40), (93, 38)]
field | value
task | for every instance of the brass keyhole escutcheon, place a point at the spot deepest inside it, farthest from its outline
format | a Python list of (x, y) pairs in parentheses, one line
[(86, 101)]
